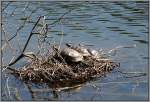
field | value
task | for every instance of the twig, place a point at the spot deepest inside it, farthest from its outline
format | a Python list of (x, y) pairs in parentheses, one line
[(118, 47), (31, 34), (11, 69), (6, 41), (25, 46), (21, 55), (22, 25), (129, 76), (62, 33), (61, 17)]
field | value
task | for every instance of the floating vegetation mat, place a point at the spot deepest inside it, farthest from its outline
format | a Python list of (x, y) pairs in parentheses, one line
[(50, 70)]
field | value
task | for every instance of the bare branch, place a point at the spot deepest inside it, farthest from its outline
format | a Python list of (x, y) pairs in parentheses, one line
[(22, 25), (60, 17), (21, 55)]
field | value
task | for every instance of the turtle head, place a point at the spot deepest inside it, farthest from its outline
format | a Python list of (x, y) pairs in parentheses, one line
[(68, 44)]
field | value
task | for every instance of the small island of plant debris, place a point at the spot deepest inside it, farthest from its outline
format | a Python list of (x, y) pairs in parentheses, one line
[(59, 66)]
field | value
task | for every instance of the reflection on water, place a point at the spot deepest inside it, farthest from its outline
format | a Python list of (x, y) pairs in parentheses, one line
[(97, 24)]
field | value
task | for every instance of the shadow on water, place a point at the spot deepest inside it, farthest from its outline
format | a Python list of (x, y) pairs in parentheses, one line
[(97, 24)]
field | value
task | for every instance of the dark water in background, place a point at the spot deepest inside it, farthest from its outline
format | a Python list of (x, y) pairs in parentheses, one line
[(105, 25)]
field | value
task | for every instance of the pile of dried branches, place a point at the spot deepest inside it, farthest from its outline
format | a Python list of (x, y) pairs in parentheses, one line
[(49, 69)]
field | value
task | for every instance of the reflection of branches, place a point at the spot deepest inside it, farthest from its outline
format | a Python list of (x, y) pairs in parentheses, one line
[(34, 92), (8, 87), (30, 90), (97, 89), (55, 94), (17, 95), (130, 74)]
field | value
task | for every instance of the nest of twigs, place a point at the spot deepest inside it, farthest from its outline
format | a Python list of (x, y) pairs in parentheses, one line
[(48, 69)]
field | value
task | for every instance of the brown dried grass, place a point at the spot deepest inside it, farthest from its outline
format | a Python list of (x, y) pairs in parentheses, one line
[(49, 69)]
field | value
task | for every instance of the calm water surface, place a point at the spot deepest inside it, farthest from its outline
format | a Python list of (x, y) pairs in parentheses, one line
[(105, 25)]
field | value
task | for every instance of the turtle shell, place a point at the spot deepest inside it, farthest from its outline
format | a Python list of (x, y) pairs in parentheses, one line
[(84, 51), (71, 55)]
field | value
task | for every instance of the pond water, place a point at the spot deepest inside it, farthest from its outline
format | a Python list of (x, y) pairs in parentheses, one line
[(122, 25)]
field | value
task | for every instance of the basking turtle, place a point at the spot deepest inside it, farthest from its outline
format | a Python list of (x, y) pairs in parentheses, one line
[(94, 53), (84, 51), (30, 55), (71, 55), (80, 49)]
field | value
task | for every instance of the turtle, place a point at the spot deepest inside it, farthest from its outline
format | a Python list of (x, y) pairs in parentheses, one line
[(94, 53), (30, 55), (71, 55), (84, 51)]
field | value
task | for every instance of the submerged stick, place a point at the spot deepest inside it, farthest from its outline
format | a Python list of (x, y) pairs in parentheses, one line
[(11, 69), (129, 74)]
